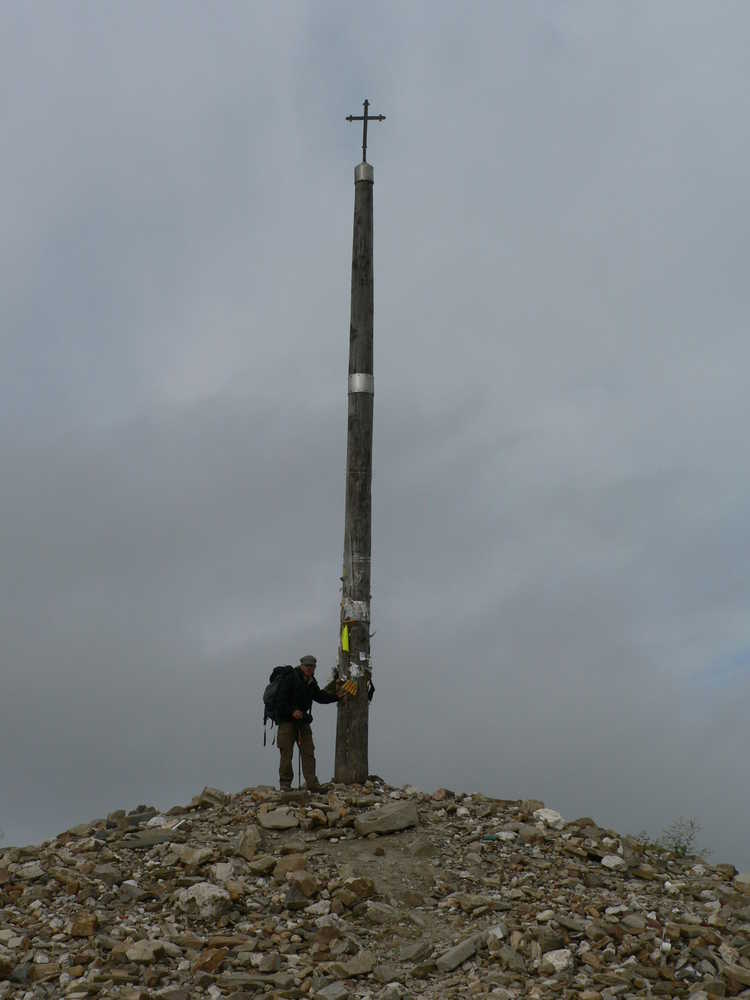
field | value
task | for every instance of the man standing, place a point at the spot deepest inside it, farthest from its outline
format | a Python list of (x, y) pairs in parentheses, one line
[(298, 691)]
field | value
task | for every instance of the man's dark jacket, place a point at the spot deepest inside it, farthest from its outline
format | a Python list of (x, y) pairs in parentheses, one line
[(299, 693)]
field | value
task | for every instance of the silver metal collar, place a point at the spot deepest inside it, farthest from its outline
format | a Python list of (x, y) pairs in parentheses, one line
[(364, 172), (361, 382)]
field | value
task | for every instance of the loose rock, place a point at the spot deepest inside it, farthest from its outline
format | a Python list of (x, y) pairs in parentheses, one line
[(488, 898)]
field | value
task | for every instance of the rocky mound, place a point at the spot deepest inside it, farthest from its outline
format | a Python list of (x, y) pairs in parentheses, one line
[(366, 892)]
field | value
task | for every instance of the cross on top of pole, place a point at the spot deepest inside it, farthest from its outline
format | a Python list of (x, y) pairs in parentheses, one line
[(365, 118)]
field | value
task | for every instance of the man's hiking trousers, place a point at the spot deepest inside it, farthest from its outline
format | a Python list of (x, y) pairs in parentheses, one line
[(300, 733)]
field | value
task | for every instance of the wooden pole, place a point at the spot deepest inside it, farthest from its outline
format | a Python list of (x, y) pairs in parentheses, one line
[(351, 765)]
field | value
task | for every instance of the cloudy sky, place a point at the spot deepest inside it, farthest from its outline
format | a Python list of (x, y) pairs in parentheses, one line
[(561, 517)]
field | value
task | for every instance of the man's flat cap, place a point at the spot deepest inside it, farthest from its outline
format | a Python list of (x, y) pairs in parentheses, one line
[(308, 661)]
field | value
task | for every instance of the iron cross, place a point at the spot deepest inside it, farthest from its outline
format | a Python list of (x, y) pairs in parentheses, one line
[(365, 118)]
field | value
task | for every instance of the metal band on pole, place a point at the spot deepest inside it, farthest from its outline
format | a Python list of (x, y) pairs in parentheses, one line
[(364, 172), (361, 382)]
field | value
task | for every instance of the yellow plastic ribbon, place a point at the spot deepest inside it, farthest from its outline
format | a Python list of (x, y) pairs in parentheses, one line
[(345, 639)]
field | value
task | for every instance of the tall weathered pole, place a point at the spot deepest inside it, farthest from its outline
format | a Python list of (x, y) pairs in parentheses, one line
[(354, 664)]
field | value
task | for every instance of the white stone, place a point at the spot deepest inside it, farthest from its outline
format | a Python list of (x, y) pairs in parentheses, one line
[(191, 855), (613, 861), (497, 932), (28, 871), (145, 952), (319, 909), (222, 871), (557, 961), (728, 953), (282, 818), (208, 899), (550, 818), (331, 920), (248, 842)]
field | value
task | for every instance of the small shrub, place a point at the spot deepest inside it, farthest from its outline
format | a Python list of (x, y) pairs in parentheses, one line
[(679, 838)]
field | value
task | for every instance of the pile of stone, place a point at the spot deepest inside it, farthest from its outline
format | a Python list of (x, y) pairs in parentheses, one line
[(365, 892)]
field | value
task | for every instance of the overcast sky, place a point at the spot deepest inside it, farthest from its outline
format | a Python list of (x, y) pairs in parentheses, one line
[(561, 519)]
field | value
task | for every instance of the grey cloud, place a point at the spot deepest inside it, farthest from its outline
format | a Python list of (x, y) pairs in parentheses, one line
[(560, 501)]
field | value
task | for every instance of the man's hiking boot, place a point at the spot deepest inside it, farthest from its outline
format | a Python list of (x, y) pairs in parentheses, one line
[(285, 786), (315, 786)]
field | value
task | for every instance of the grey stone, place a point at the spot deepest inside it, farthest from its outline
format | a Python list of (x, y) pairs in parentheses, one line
[(390, 818), (193, 856), (511, 959), (570, 923), (393, 991), (282, 818), (361, 965), (423, 969), (549, 940), (334, 991), (211, 797), (248, 842), (387, 974), (415, 952), (738, 972), (557, 961), (456, 956), (263, 865), (207, 899), (146, 839), (550, 818), (145, 952), (30, 871), (295, 899), (270, 962), (494, 937), (380, 913)]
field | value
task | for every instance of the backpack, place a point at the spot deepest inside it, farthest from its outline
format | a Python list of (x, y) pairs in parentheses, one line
[(271, 705)]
